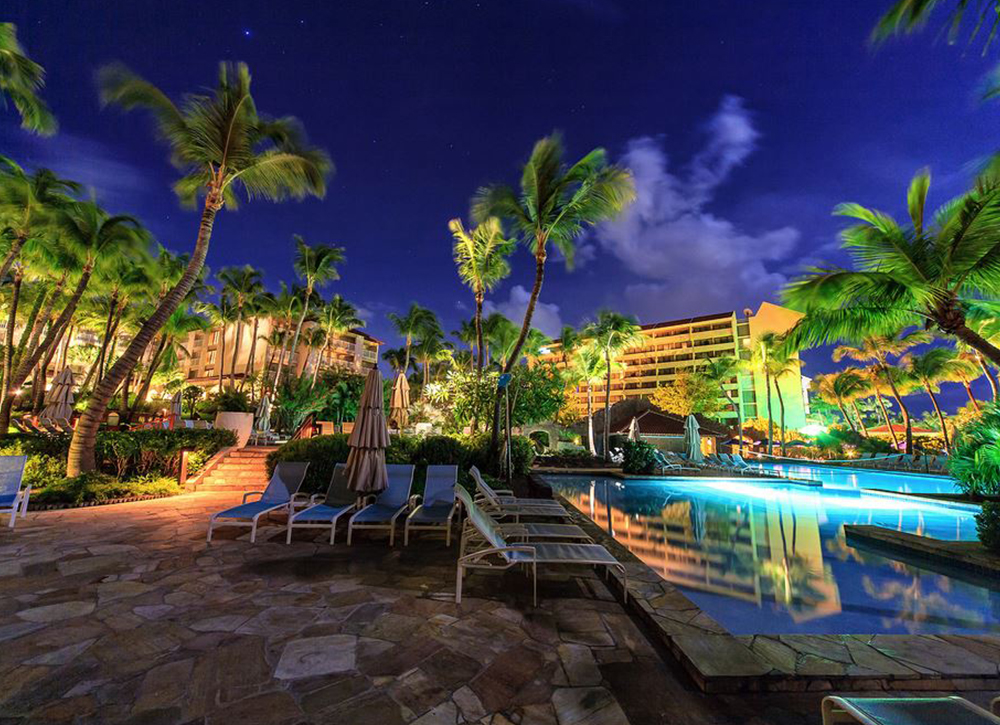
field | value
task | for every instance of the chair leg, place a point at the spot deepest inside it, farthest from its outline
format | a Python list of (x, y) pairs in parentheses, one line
[(406, 533), (392, 533), (253, 531), (333, 532), (458, 583), (534, 584), (211, 523), (350, 532), (288, 531)]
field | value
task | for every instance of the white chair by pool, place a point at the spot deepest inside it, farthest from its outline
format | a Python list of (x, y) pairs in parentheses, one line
[(526, 531), (13, 500), (905, 711), (497, 500)]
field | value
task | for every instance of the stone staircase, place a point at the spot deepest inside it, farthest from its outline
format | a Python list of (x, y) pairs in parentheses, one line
[(241, 469)]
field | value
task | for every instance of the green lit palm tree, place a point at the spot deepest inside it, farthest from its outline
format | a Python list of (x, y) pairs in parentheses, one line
[(569, 340), (929, 275), (481, 257), (222, 145), (316, 265), (21, 80), (469, 332), (840, 388), (613, 334), (241, 285), (908, 16), (588, 367), (720, 371), (931, 369), (764, 348), (779, 365), (418, 322), (556, 203)]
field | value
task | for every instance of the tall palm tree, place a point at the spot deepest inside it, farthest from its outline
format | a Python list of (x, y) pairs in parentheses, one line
[(720, 371), (930, 369), (315, 339), (287, 306), (418, 322), (989, 329), (481, 257), (556, 203), (908, 16), (469, 332), (928, 275), (780, 364), (964, 372), (429, 349), (840, 388), (337, 317), (588, 367), (317, 266), (220, 315), (396, 357), (877, 349), (764, 348), (612, 334), (569, 340), (241, 285), (21, 80), (221, 145), (258, 306)]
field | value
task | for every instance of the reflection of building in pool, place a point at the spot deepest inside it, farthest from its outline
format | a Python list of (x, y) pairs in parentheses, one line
[(750, 552)]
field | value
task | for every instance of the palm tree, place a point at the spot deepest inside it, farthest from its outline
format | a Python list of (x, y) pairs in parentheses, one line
[(221, 144), (396, 357), (469, 332), (840, 388), (780, 364), (588, 367), (220, 316), (481, 257), (965, 371), (556, 203), (427, 350), (908, 16), (317, 265), (613, 334), (720, 371), (258, 306), (877, 349), (764, 348), (337, 317), (21, 80), (989, 329), (417, 322), (315, 339), (932, 368), (569, 341), (287, 304), (931, 276), (241, 285)]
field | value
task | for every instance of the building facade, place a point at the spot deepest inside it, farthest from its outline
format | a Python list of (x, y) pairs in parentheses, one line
[(677, 347), (206, 356)]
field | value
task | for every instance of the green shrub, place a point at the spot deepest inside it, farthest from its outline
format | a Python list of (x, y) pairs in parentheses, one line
[(226, 401), (638, 457), (321, 452), (96, 486), (988, 526), (540, 439), (975, 457), (40, 468)]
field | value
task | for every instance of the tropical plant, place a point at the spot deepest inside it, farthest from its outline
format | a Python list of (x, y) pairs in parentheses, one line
[(975, 458), (721, 371), (839, 389), (688, 393), (242, 285), (337, 317), (638, 457), (21, 80), (418, 322), (764, 347), (588, 367), (220, 316), (779, 365), (221, 144), (613, 334), (932, 275), (930, 369), (908, 16), (481, 257)]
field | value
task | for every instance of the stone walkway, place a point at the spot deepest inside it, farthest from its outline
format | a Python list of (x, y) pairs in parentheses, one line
[(123, 614)]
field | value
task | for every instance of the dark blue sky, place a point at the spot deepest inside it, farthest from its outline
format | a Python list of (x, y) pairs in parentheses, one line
[(746, 123)]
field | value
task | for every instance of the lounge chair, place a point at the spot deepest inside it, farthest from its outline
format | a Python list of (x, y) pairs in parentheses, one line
[(326, 510), (496, 553), (13, 500), (64, 425), (910, 710), (529, 531), (48, 428), (738, 460), (437, 505), (282, 490), (665, 464), (499, 497), (21, 427), (382, 510)]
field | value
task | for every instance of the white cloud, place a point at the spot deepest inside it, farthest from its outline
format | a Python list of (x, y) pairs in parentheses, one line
[(694, 261), (546, 317)]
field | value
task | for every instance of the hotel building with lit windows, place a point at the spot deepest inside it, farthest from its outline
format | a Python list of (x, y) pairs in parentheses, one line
[(683, 346)]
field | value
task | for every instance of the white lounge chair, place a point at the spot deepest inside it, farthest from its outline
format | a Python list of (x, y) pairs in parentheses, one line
[(282, 490), (495, 552), (325, 510), (437, 504), (504, 499), (382, 510), (528, 531), (905, 711), (13, 500)]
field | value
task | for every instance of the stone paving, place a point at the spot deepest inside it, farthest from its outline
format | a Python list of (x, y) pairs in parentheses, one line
[(122, 614)]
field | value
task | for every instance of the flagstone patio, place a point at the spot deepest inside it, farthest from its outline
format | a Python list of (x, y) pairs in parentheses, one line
[(122, 614)]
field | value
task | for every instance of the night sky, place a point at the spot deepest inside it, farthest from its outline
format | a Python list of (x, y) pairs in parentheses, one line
[(745, 123)]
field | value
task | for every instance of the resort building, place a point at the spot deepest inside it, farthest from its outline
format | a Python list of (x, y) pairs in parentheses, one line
[(206, 355), (676, 347)]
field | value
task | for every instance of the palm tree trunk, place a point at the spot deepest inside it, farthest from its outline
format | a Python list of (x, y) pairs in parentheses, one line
[(236, 349), (67, 339), (248, 370), (972, 398), (281, 361), (222, 355), (590, 419), (44, 367), (147, 381), (81, 450), (940, 415), (112, 306), (988, 373), (781, 408), (902, 409), (8, 356), (977, 342), (770, 416), (607, 404), (101, 372), (479, 333), (885, 414), (46, 313), (736, 409), (298, 331), (843, 412), (15, 249), (861, 419)]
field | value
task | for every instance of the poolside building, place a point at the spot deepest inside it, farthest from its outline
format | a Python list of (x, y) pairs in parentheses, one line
[(681, 346)]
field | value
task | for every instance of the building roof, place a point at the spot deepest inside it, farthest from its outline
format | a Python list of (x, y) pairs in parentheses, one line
[(688, 320), (362, 333), (657, 423), (900, 429)]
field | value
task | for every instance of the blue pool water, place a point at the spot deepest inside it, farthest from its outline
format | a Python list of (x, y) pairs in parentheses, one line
[(858, 478), (763, 557)]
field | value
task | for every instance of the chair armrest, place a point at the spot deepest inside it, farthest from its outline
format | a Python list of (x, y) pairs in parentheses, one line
[(248, 494), (315, 498), (415, 500), (498, 550), (503, 491)]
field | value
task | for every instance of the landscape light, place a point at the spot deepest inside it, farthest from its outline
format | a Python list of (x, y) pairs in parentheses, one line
[(812, 429)]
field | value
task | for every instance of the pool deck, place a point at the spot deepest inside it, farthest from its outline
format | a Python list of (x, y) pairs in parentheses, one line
[(721, 662)]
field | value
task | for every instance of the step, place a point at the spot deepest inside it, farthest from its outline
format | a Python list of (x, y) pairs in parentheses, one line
[(227, 466)]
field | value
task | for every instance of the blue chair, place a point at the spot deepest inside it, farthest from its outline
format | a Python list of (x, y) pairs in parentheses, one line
[(382, 510), (339, 500), (13, 500), (437, 505), (281, 491)]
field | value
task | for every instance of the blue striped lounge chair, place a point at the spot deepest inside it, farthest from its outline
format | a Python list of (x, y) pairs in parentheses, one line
[(383, 510), (13, 500), (437, 505), (281, 491), (326, 510), (492, 550)]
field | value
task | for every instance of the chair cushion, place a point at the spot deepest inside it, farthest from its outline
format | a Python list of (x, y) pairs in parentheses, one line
[(437, 514), (321, 512), (376, 514), (249, 510), (555, 553)]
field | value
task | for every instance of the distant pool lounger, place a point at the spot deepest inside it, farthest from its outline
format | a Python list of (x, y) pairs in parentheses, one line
[(281, 491), (13, 500), (384, 509), (325, 510), (905, 711)]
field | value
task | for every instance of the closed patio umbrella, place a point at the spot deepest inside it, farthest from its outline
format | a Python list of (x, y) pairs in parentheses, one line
[(176, 406), (692, 439), (633, 429), (366, 461), (399, 403), (59, 400), (264, 415)]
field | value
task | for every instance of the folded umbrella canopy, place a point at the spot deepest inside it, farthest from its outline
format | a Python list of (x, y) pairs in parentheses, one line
[(399, 403), (366, 461), (692, 439), (264, 415), (176, 406), (59, 400), (633, 429)]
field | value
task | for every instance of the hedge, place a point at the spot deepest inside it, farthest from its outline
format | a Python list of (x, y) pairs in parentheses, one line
[(325, 452)]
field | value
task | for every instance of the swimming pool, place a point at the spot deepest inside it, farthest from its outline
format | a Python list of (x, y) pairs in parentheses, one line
[(763, 557), (858, 478)]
